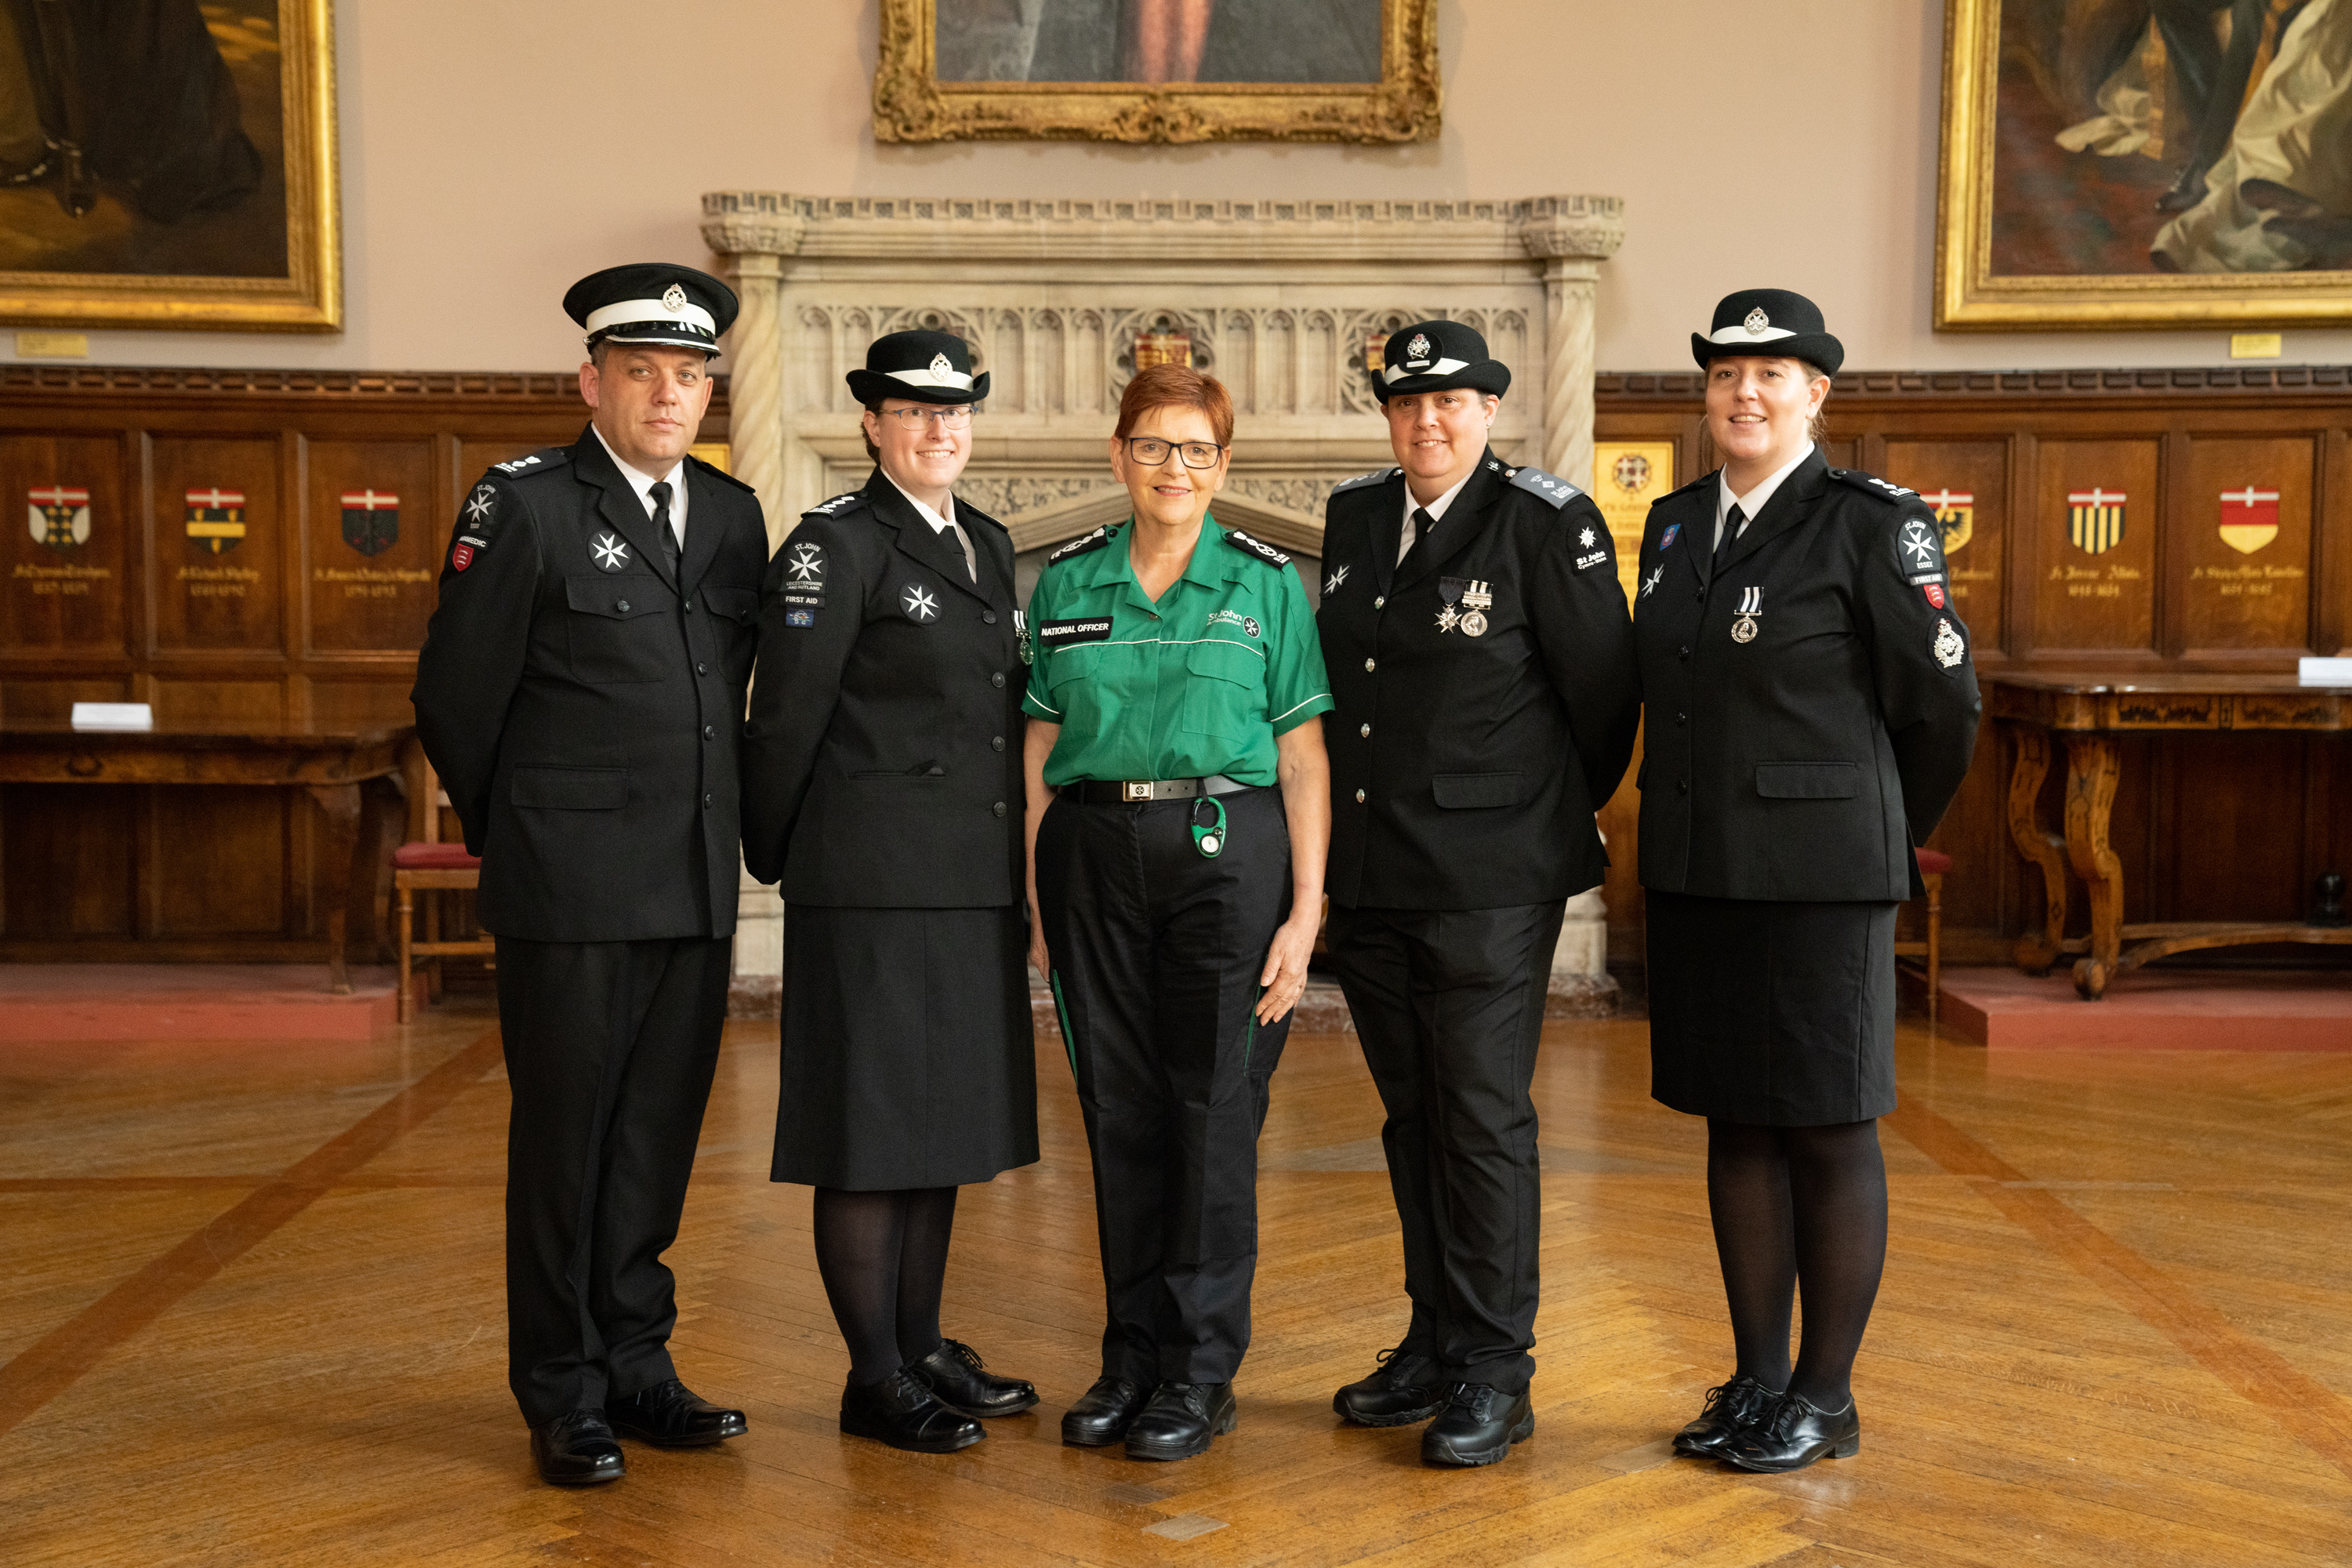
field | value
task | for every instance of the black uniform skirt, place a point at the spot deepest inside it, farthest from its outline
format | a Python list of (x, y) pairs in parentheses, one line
[(908, 1056), (1777, 1014)]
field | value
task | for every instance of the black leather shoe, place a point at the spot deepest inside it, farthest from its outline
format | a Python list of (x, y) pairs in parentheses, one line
[(1404, 1389), (1791, 1434), (900, 1411), (1477, 1427), (671, 1416), (1729, 1408), (954, 1375), (1104, 1415), (1181, 1419), (577, 1450)]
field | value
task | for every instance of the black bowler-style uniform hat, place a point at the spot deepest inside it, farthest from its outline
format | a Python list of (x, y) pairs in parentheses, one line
[(928, 367), (1770, 323), (1433, 357), (652, 303)]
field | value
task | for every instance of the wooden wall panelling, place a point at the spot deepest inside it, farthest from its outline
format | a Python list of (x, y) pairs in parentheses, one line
[(2095, 575), (68, 553), (374, 543), (2243, 573), (218, 533)]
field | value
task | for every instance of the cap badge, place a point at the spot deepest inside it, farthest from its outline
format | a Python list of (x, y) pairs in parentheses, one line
[(940, 366), (672, 298), (1419, 347), (1757, 321)]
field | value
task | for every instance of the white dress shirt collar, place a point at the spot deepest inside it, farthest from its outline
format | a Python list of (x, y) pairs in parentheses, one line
[(1435, 509), (1756, 500), (940, 520), (642, 482)]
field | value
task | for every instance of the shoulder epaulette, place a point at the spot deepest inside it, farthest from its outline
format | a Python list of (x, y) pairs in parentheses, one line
[(839, 506), (1376, 477), (1257, 547), (716, 472), (1870, 484), (1080, 545), (539, 462), (1534, 480), (1707, 478)]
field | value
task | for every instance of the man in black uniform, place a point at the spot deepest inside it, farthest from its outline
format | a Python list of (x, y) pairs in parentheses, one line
[(1483, 665), (580, 689)]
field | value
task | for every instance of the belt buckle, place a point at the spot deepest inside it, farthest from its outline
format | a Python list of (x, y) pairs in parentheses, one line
[(1135, 789)]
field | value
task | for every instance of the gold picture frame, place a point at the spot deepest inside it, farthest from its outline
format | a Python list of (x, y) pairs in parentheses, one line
[(1971, 296), (308, 297), (912, 104)]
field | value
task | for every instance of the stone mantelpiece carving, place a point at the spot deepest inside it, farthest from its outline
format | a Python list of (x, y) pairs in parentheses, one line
[(1277, 296)]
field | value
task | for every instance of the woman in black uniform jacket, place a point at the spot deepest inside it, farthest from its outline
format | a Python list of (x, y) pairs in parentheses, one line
[(1811, 707), (881, 783)]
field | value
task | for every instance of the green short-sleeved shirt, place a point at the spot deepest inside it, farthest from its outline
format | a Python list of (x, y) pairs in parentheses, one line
[(1200, 683)]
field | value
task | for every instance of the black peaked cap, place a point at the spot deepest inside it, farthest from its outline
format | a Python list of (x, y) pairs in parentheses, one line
[(652, 303), (928, 367), (1770, 323), (1432, 356)]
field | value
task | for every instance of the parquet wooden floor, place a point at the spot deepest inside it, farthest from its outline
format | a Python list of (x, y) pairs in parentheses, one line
[(251, 1314)]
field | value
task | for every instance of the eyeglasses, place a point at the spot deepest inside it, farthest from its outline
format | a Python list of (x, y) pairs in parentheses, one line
[(1151, 451), (957, 418)]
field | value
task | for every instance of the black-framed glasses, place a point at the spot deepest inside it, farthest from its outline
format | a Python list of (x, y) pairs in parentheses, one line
[(1151, 451), (956, 419)]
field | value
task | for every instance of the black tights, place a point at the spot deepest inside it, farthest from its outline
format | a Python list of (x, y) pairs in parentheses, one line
[(1799, 1205), (884, 1257)]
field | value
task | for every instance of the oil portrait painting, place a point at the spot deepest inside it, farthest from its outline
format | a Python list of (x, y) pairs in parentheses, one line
[(168, 162), (2129, 163)]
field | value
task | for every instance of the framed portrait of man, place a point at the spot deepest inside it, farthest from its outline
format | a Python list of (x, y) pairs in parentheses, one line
[(2146, 162), (1157, 70), (169, 163)]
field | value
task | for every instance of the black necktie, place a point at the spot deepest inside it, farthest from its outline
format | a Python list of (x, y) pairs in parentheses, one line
[(1419, 528), (659, 493), (1733, 521)]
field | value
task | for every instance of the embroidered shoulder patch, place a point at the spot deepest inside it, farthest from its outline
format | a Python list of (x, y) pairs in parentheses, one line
[(1080, 545), (1947, 646), (478, 525), (1257, 547), (1559, 492)]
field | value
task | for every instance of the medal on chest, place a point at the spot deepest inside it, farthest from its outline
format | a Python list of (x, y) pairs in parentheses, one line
[(1021, 638), (1463, 604), (1751, 603)]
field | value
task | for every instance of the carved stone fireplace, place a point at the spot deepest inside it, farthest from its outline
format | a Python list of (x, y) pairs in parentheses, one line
[(1279, 300)]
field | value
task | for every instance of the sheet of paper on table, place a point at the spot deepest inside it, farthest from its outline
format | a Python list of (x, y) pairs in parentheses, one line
[(2324, 672), (119, 716)]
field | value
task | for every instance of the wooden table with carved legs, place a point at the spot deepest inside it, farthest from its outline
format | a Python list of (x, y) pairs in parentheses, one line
[(327, 765), (2091, 710)]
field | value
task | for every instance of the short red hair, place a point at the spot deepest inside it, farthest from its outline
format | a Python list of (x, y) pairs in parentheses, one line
[(1176, 386)]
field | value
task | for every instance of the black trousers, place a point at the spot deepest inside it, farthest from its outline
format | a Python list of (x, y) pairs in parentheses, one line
[(610, 1048), (1156, 952), (1449, 1004)]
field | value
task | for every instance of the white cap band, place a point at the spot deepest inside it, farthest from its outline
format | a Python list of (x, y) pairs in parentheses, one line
[(1740, 334), (649, 313), (1396, 372), (956, 380)]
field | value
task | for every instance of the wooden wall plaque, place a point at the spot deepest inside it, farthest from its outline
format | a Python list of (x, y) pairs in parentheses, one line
[(2244, 583), (68, 544)]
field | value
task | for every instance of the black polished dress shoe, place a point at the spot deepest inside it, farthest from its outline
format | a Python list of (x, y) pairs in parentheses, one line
[(671, 1416), (1729, 1408), (1793, 1434), (577, 1450), (1180, 1420), (1477, 1427), (1402, 1390), (1104, 1414), (902, 1412), (955, 1377)]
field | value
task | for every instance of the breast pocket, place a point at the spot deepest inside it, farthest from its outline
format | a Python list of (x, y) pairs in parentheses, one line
[(1224, 690), (1091, 683), (616, 633), (734, 622)]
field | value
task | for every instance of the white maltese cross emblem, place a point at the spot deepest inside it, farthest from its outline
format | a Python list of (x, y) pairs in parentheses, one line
[(672, 298), (1757, 322), (919, 604)]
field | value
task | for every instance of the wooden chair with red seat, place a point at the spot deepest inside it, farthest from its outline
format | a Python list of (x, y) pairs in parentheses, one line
[(1933, 864), (430, 866)]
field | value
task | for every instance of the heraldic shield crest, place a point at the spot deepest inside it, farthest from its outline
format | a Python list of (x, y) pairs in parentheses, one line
[(1956, 518), (59, 516), (370, 520), (216, 519), (2095, 520), (2250, 518)]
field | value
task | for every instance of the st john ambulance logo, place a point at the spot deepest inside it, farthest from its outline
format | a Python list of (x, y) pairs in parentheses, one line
[(919, 605), (609, 552)]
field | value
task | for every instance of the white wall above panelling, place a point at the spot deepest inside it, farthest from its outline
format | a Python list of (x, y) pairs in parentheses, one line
[(495, 150)]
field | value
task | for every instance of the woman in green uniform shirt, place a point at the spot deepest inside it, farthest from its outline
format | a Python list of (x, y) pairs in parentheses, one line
[(1179, 814)]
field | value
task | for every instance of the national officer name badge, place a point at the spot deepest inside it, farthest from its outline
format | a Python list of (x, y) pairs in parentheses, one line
[(1751, 603)]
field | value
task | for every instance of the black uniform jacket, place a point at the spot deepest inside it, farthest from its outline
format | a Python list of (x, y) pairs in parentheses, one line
[(882, 763), (1812, 702), (1466, 769), (582, 699)]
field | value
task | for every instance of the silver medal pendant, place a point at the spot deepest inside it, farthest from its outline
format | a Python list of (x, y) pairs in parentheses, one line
[(1744, 629), (1475, 602), (1751, 603), (1474, 625)]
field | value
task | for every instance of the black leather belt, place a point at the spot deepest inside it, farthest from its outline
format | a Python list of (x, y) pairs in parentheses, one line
[(1135, 792)]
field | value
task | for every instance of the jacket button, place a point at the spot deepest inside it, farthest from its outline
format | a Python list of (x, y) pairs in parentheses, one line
[(710, 733), (702, 669), (621, 606), (997, 743), (1381, 601), (1359, 797), (1000, 808), (706, 803), (1682, 717), (1685, 650), (1369, 666), (1366, 732), (1684, 787), (988, 617), (997, 679)]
